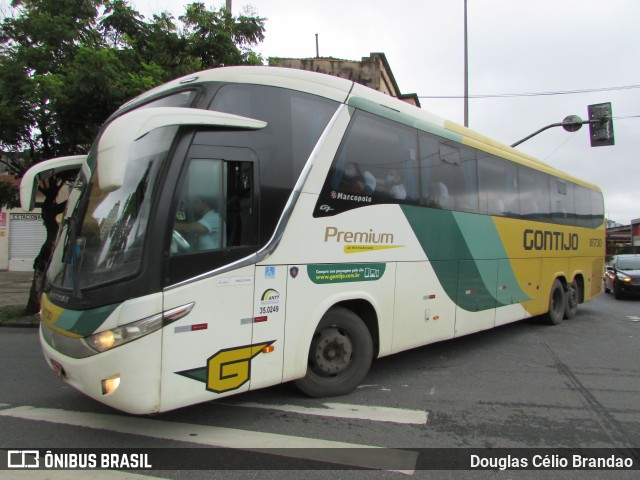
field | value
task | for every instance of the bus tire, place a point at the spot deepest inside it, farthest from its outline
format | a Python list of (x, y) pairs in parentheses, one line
[(556, 304), (340, 355), (572, 300)]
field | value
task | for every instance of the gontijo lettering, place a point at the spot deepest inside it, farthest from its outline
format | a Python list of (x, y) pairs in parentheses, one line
[(345, 236), (549, 240)]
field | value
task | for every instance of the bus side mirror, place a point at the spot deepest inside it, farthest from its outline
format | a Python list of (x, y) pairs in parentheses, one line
[(41, 171), (118, 137)]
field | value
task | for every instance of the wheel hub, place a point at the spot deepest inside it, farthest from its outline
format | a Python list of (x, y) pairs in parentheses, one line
[(573, 297), (332, 353)]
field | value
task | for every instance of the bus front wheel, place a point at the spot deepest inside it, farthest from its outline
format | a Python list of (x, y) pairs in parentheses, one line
[(556, 303), (340, 355)]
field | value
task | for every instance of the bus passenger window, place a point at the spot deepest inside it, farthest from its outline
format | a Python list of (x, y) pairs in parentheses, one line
[(583, 206), (449, 174), (562, 202), (534, 194), (498, 186), (375, 164)]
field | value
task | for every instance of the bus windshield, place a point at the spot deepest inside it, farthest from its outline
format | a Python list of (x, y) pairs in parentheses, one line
[(102, 235)]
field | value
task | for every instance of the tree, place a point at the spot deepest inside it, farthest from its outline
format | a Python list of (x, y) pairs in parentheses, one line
[(66, 65)]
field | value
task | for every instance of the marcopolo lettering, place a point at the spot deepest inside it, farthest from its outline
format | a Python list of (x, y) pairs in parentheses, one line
[(350, 197), (548, 240), (332, 233)]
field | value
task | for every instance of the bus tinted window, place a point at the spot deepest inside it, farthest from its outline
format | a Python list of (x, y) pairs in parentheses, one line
[(295, 119), (597, 209), (498, 186), (295, 122), (562, 201), (377, 154), (534, 194), (376, 163), (582, 198), (449, 174)]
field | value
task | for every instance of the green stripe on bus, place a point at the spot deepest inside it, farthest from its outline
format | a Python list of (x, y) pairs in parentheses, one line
[(465, 252), (85, 322)]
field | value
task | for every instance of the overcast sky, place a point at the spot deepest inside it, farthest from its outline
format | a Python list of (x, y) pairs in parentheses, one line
[(515, 47)]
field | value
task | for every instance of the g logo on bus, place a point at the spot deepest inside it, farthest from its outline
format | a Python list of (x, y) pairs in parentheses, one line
[(228, 369)]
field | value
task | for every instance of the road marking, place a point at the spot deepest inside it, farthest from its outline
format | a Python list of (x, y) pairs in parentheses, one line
[(74, 475), (633, 318), (343, 410), (342, 453)]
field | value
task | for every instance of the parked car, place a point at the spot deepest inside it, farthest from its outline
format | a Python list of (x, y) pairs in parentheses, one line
[(622, 275)]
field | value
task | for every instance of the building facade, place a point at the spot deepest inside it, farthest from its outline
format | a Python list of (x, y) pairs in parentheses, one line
[(372, 71)]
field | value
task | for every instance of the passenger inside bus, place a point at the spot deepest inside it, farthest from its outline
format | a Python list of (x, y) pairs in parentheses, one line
[(395, 185), (356, 181)]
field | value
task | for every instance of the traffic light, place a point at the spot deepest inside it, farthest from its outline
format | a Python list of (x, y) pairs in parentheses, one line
[(601, 124)]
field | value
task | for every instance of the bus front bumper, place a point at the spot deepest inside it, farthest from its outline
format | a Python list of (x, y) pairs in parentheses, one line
[(126, 378)]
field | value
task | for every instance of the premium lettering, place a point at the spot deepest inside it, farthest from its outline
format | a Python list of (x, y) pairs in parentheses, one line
[(332, 233), (549, 240)]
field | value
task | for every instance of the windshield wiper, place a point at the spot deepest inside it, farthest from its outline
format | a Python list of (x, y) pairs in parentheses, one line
[(73, 261)]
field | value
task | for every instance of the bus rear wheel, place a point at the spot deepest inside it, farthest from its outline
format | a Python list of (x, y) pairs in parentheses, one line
[(339, 357), (572, 300), (556, 303)]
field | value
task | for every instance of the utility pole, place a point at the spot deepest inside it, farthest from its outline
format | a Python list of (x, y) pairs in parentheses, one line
[(229, 5), (466, 69)]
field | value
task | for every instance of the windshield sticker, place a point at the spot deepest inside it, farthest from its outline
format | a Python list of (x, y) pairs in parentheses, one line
[(342, 273)]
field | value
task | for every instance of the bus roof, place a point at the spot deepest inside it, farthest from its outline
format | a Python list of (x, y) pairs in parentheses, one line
[(360, 96)]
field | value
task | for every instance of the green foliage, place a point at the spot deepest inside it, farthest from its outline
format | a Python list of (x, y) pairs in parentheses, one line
[(8, 195), (66, 65)]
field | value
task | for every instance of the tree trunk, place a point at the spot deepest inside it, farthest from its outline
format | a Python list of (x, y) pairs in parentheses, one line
[(37, 284), (50, 210)]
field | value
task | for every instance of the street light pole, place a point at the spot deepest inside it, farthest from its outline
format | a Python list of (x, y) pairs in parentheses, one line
[(466, 69), (572, 123)]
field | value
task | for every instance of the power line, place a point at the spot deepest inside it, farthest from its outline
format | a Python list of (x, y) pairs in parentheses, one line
[(534, 94), (626, 117)]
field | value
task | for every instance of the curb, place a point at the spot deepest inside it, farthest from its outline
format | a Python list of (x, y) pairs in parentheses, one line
[(31, 321)]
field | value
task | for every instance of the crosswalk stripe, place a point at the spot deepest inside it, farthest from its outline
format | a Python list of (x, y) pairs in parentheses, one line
[(72, 475), (351, 454), (343, 410)]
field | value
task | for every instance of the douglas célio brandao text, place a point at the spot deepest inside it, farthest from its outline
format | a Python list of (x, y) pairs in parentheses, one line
[(550, 461)]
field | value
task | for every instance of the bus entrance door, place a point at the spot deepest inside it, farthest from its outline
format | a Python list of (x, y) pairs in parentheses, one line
[(268, 325), (208, 353)]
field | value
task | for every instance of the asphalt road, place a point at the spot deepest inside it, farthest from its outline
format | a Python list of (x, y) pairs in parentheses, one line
[(526, 385)]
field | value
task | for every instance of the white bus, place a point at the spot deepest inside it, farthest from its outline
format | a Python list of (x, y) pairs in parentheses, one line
[(247, 226)]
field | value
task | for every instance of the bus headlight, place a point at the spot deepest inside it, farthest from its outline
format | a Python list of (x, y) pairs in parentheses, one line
[(109, 339)]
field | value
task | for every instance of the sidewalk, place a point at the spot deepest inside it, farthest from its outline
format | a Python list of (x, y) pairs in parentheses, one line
[(14, 292)]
